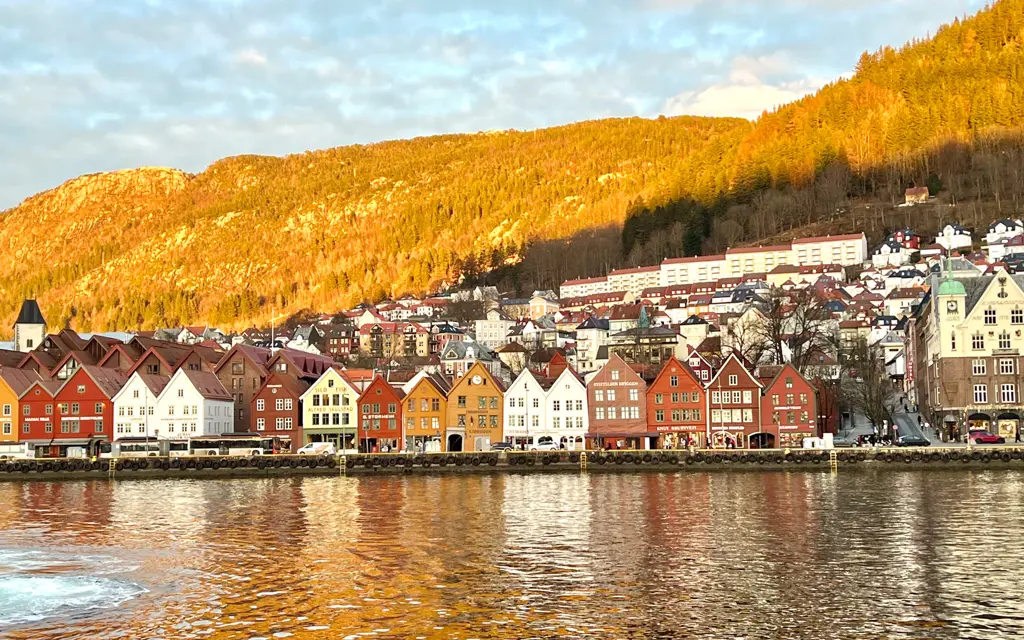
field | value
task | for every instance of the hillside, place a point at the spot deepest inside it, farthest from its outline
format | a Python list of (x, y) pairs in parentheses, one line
[(330, 228), (327, 228)]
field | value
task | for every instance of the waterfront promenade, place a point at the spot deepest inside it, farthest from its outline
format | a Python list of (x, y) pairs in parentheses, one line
[(517, 462)]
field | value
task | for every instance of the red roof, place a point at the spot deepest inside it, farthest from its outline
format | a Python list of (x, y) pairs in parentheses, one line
[(849, 236), (757, 249), (693, 259)]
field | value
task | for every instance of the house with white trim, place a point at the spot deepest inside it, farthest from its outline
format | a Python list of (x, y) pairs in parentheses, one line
[(194, 403)]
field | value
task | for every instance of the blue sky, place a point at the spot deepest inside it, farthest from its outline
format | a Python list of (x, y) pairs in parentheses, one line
[(97, 85)]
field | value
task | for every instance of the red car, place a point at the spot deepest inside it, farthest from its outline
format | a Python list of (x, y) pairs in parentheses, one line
[(978, 436)]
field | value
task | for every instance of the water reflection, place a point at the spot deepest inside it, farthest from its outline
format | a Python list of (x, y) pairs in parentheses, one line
[(795, 555)]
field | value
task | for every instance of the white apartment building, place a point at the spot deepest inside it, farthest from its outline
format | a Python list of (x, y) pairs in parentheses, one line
[(689, 270), (742, 261), (843, 250), (493, 329), (634, 280), (583, 287), (537, 408)]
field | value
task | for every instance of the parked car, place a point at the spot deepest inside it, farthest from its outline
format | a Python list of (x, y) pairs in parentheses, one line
[(980, 436), (502, 446), (318, 449), (544, 446), (911, 441)]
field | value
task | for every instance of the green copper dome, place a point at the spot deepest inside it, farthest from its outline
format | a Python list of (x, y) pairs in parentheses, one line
[(951, 288)]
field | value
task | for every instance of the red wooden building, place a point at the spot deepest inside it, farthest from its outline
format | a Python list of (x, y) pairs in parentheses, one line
[(380, 417), (276, 409), (734, 402), (789, 411), (85, 408), (700, 365), (617, 399), (676, 403), (38, 417)]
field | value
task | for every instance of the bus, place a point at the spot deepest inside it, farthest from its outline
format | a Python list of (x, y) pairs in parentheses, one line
[(238, 444)]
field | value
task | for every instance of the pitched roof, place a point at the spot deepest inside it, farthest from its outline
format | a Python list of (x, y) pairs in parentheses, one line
[(19, 380), (30, 313), (207, 384), (108, 381)]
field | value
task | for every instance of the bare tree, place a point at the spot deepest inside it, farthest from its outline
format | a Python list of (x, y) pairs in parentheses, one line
[(868, 390)]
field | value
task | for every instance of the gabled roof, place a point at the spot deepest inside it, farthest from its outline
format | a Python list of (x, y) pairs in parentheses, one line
[(207, 384), (10, 358), (108, 381), (18, 379), (743, 367), (682, 365), (440, 384), (257, 355), (51, 387)]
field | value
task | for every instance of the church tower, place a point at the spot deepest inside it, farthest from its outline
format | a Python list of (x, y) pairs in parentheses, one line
[(30, 327)]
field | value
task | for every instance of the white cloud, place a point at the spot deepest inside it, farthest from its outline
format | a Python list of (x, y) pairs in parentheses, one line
[(745, 94), (251, 56)]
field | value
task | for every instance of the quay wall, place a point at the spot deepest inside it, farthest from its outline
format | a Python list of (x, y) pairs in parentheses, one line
[(514, 462)]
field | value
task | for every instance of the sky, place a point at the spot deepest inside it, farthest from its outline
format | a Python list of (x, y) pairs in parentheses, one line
[(99, 85)]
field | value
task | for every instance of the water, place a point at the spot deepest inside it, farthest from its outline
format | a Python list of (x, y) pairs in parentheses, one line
[(861, 554)]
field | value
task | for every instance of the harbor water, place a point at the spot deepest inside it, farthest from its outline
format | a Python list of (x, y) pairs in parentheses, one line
[(888, 553)]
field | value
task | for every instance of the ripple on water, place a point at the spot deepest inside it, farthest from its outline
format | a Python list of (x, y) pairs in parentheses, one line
[(30, 598)]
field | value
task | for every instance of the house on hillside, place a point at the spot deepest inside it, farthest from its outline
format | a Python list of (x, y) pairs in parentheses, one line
[(954, 236), (916, 195)]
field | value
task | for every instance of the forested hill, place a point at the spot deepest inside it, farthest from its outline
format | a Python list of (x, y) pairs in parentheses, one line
[(326, 229), (330, 228), (949, 108)]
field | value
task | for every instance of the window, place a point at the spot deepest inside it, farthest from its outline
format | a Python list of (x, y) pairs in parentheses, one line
[(24, 428), (803, 417), (977, 342), (615, 374), (1004, 340), (716, 415), (659, 415), (1006, 367), (599, 395), (789, 383), (392, 408), (990, 316), (952, 341), (696, 415), (7, 428), (1017, 316), (170, 410), (579, 405), (556, 422), (494, 402), (260, 424), (658, 398), (734, 380), (789, 399), (7, 409), (462, 402), (612, 412), (673, 381), (26, 410), (611, 395), (736, 395), (677, 415), (675, 398), (81, 388), (980, 394), (748, 415), (481, 402), (634, 395), (1008, 393), (803, 398), (694, 396), (978, 367), (74, 408), (287, 404), (181, 393), (556, 405), (316, 401)]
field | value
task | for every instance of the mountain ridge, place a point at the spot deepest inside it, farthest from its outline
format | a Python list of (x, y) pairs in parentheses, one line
[(251, 236)]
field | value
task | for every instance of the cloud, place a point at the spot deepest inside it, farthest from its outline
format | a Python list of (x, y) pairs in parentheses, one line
[(250, 56), (108, 84)]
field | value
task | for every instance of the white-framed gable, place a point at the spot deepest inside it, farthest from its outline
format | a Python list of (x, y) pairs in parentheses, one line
[(567, 411), (183, 411), (525, 407), (135, 410)]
